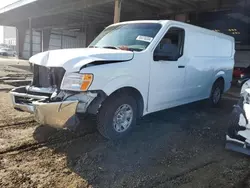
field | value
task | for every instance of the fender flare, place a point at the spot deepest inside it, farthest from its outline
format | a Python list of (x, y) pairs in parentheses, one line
[(123, 82), (120, 82), (219, 74)]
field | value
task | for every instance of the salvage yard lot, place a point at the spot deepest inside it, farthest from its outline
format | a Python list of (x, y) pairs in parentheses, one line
[(180, 147)]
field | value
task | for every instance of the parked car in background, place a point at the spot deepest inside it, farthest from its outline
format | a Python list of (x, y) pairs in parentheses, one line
[(244, 76), (131, 69), (7, 52), (237, 72)]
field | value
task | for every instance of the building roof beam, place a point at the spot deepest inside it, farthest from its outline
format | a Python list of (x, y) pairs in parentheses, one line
[(43, 8)]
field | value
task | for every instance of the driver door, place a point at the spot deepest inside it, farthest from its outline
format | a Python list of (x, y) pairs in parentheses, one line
[(168, 69)]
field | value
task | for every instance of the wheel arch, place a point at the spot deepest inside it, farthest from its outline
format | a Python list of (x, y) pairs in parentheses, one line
[(135, 93), (214, 97), (222, 80), (220, 76)]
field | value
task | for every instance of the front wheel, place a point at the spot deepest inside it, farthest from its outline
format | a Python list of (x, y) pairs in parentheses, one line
[(117, 116)]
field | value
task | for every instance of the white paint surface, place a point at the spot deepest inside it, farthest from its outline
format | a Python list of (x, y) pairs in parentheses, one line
[(73, 59)]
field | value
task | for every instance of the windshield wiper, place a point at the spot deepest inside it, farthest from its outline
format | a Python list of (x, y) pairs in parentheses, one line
[(135, 49), (93, 47), (117, 48), (111, 47)]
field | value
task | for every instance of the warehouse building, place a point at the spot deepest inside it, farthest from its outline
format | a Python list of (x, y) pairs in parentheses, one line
[(53, 24)]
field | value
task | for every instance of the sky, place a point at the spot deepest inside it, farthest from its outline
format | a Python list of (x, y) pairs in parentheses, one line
[(3, 3)]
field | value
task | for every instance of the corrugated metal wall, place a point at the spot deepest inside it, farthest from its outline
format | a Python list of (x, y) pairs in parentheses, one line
[(58, 40), (36, 44), (55, 41), (66, 39), (242, 58)]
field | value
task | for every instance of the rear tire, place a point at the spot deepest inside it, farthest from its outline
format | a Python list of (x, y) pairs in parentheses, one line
[(117, 116), (216, 93)]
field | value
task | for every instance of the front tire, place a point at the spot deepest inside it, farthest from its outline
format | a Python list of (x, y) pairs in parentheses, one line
[(117, 116)]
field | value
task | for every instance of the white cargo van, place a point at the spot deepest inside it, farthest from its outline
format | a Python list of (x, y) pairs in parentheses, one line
[(131, 69)]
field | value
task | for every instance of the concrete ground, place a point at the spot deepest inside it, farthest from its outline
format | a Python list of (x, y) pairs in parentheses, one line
[(181, 147)]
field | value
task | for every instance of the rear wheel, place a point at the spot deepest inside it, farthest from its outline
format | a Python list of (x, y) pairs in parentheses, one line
[(117, 116), (216, 93)]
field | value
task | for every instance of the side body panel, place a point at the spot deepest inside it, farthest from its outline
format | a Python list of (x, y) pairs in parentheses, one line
[(210, 57), (207, 57)]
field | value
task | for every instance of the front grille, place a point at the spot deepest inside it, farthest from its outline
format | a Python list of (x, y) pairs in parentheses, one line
[(48, 76), (24, 100)]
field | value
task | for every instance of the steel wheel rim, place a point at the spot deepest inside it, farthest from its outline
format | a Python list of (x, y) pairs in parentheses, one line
[(123, 118), (216, 95)]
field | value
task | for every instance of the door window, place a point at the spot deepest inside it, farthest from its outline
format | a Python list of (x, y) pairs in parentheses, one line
[(171, 46)]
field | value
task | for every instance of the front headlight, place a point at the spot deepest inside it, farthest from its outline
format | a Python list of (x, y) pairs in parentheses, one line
[(77, 82)]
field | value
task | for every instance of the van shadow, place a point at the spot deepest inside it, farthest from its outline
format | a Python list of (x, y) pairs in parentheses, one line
[(156, 137)]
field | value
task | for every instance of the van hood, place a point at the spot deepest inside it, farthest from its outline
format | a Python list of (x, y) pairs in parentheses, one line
[(72, 60)]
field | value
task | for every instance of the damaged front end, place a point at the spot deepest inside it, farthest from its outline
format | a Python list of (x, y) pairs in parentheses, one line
[(50, 105), (238, 135)]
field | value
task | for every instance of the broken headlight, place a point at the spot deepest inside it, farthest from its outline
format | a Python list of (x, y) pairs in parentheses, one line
[(77, 82)]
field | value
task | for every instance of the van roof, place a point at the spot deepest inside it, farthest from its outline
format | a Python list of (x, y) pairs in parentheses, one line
[(192, 27)]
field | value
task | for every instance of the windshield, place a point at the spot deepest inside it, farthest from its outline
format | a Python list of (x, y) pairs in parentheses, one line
[(135, 37)]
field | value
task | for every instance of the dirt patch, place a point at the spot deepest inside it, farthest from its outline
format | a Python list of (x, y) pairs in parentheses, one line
[(181, 147), (13, 66), (8, 115)]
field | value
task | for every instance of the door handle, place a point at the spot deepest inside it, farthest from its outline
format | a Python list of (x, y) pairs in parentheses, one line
[(181, 66)]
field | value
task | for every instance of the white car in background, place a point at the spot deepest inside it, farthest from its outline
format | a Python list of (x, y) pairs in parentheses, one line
[(7, 52)]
